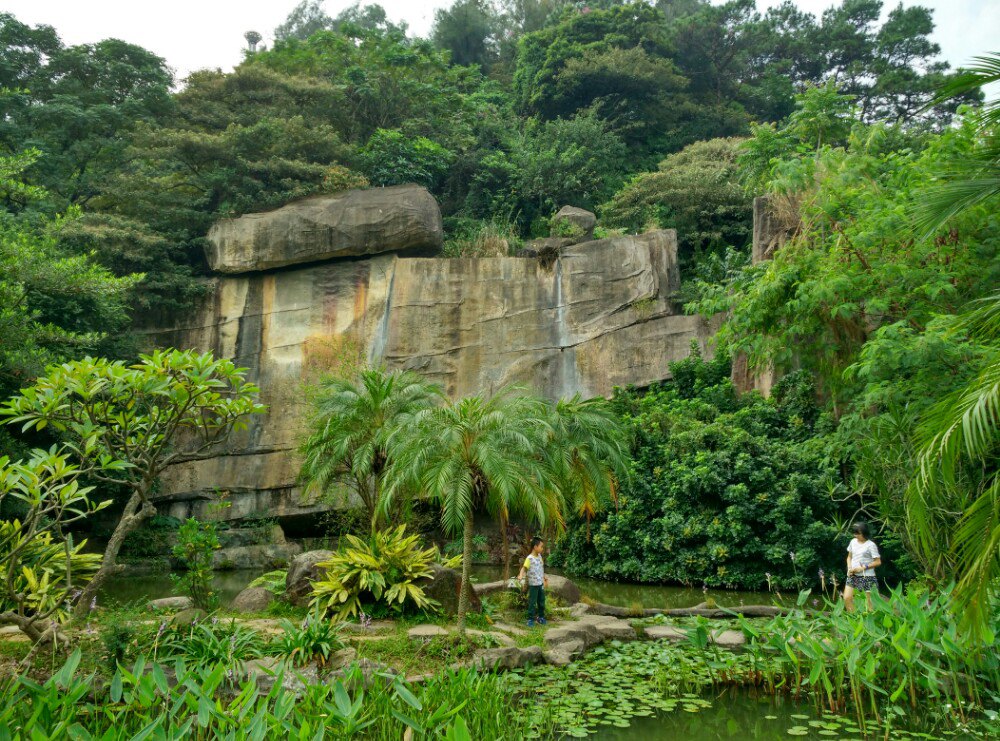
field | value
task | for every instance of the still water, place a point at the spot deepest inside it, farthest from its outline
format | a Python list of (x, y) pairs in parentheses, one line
[(127, 588)]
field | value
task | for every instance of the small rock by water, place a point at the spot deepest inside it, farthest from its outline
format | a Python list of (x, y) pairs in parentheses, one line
[(170, 603), (664, 633), (253, 599)]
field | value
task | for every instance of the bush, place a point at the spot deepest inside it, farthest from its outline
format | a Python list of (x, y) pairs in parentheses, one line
[(725, 488), (314, 640), (209, 642), (392, 158), (272, 581), (196, 544), (42, 570), (152, 540), (376, 574)]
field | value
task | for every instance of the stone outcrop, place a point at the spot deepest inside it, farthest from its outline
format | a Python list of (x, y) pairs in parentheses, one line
[(443, 586), (253, 599), (578, 222), (170, 603), (355, 223), (302, 572), (600, 315), (559, 586), (569, 641)]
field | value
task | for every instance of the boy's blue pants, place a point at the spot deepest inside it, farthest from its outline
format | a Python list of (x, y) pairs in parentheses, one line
[(536, 602)]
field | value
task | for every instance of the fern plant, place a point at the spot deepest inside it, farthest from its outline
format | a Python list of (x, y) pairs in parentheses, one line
[(383, 569)]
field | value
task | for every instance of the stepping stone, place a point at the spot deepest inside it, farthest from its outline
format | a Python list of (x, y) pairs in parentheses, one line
[(564, 653), (664, 632), (512, 629), (426, 632), (729, 638)]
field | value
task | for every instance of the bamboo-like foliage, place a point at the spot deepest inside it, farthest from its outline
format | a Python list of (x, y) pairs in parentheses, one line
[(954, 499), (351, 429)]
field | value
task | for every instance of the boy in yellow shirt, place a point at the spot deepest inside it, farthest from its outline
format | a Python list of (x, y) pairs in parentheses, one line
[(534, 570)]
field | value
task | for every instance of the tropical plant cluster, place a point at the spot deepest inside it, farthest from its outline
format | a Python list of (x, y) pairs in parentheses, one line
[(210, 702)]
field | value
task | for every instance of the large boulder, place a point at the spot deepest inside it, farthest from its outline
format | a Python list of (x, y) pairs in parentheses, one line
[(302, 572), (404, 218), (563, 588), (444, 585), (170, 603), (253, 599), (574, 223)]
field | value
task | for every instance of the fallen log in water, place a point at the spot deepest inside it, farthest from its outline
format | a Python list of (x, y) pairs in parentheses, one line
[(598, 608)]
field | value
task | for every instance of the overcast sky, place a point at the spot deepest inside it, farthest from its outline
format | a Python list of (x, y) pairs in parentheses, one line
[(194, 34)]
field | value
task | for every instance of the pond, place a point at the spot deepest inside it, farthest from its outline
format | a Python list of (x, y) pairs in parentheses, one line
[(647, 595), (130, 587)]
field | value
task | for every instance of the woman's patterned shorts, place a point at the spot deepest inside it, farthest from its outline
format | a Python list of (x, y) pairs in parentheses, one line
[(862, 583)]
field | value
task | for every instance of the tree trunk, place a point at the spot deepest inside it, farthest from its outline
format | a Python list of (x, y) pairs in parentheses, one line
[(137, 511), (463, 594), (505, 544)]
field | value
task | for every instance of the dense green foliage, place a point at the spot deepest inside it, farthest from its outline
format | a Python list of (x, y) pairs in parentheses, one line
[(726, 490), (195, 550), (375, 575), (509, 111)]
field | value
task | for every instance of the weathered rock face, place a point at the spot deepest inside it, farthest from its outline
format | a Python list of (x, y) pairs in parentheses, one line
[(599, 316), (350, 224), (580, 221)]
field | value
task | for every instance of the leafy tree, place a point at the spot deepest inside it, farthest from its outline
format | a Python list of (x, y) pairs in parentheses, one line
[(574, 161), (353, 425), (195, 549), (54, 304), (695, 191), (76, 106), (171, 405), (390, 158), (477, 455), (467, 30), (614, 62), (303, 21)]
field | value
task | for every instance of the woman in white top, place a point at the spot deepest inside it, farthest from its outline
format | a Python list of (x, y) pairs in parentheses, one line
[(862, 560)]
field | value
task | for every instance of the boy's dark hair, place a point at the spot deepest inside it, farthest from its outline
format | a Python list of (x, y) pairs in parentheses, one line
[(535, 541), (860, 527)]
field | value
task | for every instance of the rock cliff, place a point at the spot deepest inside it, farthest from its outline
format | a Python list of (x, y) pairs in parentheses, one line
[(599, 316)]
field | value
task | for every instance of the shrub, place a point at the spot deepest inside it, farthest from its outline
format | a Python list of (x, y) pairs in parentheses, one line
[(152, 540), (196, 544), (314, 640), (272, 581), (392, 158), (726, 490), (41, 573), (209, 642), (380, 571)]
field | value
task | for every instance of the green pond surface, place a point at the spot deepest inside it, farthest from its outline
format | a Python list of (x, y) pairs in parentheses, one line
[(739, 714), (130, 587)]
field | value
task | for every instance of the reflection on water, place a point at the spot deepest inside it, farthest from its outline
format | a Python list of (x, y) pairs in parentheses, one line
[(734, 714), (647, 595), (130, 587), (126, 588)]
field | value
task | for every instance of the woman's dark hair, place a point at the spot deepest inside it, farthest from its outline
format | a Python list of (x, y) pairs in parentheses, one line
[(860, 527), (535, 541)]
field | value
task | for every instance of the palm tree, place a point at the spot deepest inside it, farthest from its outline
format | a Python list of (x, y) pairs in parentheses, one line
[(974, 178), (477, 455), (588, 454), (352, 426), (954, 500)]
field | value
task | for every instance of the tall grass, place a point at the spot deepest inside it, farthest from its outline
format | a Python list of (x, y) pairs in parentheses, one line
[(906, 654), (151, 700)]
